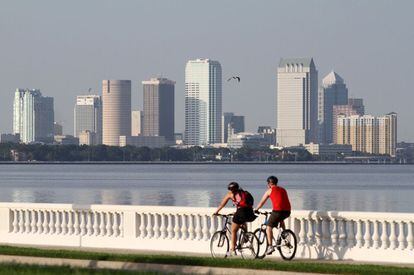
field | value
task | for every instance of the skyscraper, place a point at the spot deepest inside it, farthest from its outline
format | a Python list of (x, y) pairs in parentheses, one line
[(116, 114), (159, 108), (369, 134), (18, 111), (33, 116), (232, 124), (88, 116), (333, 92), (203, 102), (355, 106), (297, 101), (137, 120)]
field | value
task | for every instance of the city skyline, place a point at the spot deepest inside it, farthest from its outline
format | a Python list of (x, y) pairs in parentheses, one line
[(62, 68)]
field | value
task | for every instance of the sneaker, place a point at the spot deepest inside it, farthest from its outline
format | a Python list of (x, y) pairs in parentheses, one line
[(270, 250), (231, 254)]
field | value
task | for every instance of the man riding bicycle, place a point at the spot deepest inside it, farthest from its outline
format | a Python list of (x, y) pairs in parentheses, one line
[(280, 210), (244, 213)]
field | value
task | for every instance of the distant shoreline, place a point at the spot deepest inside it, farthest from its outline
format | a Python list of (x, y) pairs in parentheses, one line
[(193, 163)]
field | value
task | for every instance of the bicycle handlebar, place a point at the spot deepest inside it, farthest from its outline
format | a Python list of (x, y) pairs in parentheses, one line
[(224, 215), (262, 212)]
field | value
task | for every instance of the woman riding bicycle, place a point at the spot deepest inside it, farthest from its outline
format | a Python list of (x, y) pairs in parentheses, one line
[(280, 210), (244, 203)]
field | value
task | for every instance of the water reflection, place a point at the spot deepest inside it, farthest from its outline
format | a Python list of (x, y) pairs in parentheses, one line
[(362, 188)]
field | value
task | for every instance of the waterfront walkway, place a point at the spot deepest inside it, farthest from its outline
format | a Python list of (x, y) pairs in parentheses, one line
[(185, 263)]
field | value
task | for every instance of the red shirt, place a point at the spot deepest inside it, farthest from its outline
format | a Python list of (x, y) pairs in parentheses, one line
[(279, 198)]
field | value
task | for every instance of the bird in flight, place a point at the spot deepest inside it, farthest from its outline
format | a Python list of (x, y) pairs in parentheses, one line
[(234, 77)]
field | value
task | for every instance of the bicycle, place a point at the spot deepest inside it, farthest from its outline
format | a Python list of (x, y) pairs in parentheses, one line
[(285, 243), (247, 245)]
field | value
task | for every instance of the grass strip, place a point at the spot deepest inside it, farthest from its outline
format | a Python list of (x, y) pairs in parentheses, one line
[(25, 269), (298, 266)]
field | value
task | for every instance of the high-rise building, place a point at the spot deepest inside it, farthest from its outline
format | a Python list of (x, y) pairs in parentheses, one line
[(387, 134), (88, 116), (368, 134), (232, 124), (33, 116), (137, 121), (57, 129), (116, 114), (297, 102), (333, 92), (354, 107), (18, 111), (203, 102), (159, 108)]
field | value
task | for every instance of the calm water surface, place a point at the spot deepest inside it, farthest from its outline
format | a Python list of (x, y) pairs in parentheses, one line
[(321, 187)]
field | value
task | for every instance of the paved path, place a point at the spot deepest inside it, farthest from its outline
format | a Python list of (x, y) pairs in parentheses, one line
[(164, 268)]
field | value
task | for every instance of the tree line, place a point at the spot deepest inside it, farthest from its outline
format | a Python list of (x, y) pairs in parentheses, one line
[(41, 152)]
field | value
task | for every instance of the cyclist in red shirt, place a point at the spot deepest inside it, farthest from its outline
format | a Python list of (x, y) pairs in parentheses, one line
[(280, 210), (244, 212)]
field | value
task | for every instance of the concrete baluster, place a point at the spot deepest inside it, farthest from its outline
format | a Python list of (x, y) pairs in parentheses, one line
[(64, 222), (102, 228), (213, 222), (46, 217), (198, 230), (359, 239), (375, 235), (184, 227), (351, 234), (142, 229), (58, 223), (170, 228), (311, 231), (334, 234), (384, 235), (14, 221), (367, 235), (33, 220), (21, 221), (70, 222), (156, 226), (108, 223), (401, 236), (82, 224), (149, 226), (76, 222), (27, 221), (302, 232), (393, 236), (191, 227), (326, 238), (163, 227), (89, 226), (115, 225), (342, 232), (177, 231), (410, 235), (51, 224), (206, 232), (96, 223), (318, 231)]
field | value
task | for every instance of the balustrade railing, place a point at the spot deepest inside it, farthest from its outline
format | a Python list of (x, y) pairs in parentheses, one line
[(367, 236)]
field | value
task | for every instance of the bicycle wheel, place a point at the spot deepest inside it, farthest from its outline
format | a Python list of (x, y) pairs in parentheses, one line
[(248, 245), (287, 244), (263, 243), (219, 244)]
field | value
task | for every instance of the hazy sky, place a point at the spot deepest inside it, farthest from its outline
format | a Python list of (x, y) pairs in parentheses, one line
[(66, 47)]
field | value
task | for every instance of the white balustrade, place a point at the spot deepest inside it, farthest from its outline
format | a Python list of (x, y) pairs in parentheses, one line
[(364, 236)]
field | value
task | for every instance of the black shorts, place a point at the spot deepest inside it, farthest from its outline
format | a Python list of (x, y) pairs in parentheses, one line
[(276, 217), (244, 215)]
